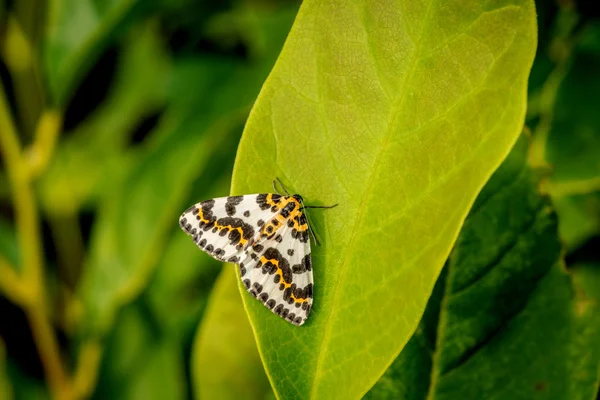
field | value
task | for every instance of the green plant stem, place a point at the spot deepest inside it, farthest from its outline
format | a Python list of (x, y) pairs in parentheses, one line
[(86, 373), (20, 57), (46, 135), (29, 237)]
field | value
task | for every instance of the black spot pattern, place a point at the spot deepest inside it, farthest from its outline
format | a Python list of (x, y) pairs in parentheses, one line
[(289, 207), (261, 200), (258, 248), (291, 302), (257, 286), (300, 235), (305, 265), (308, 290), (230, 204), (206, 207), (287, 295), (247, 229), (273, 254), (300, 220)]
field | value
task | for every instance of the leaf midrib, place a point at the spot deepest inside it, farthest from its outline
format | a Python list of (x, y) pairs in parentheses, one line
[(361, 208)]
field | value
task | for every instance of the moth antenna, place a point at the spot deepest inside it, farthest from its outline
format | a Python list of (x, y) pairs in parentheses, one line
[(333, 206), (310, 230), (281, 185), (275, 187)]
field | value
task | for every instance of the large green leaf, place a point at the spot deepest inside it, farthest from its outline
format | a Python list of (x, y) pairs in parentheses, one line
[(399, 112), (504, 321), (226, 364)]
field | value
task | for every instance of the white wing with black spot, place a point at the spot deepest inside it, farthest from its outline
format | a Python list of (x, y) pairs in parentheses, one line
[(280, 275), (267, 236), (225, 227)]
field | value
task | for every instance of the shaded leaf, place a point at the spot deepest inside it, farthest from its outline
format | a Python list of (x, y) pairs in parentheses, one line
[(140, 363), (503, 321), (92, 157), (415, 103), (574, 138), (585, 354), (573, 143), (226, 363), (77, 32), (183, 280), (135, 219), (579, 218), (6, 392)]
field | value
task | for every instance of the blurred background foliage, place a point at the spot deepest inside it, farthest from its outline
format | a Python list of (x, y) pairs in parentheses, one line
[(126, 112)]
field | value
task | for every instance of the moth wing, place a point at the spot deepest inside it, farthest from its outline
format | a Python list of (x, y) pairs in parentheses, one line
[(226, 227), (280, 276)]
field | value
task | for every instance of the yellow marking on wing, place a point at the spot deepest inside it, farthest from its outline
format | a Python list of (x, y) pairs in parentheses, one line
[(221, 227), (299, 227), (272, 202), (263, 260)]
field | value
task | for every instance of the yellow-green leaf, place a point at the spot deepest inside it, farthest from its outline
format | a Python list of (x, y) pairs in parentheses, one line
[(399, 112), (226, 364)]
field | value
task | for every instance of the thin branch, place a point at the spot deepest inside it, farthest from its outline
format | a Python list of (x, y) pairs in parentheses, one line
[(42, 149), (29, 236), (86, 373)]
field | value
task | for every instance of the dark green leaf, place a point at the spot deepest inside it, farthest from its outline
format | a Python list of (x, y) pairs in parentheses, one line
[(503, 321), (77, 32), (574, 138), (94, 156), (140, 363)]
